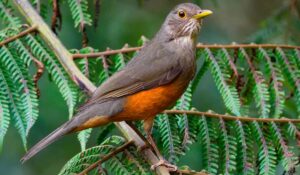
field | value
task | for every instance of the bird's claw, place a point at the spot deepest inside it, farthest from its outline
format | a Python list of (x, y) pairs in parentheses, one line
[(166, 164)]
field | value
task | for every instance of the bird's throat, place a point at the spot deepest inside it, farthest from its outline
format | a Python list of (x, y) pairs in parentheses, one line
[(186, 42)]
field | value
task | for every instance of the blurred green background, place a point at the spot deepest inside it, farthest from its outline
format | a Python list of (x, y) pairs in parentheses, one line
[(124, 21)]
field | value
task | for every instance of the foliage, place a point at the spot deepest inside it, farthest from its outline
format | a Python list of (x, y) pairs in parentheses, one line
[(251, 80)]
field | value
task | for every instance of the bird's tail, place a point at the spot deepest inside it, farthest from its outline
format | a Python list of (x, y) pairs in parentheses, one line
[(52, 137)]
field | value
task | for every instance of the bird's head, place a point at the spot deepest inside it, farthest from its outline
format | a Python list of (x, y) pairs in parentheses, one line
[(184, 21)]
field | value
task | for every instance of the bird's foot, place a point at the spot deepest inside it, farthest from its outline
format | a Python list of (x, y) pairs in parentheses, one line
[(163, 162)]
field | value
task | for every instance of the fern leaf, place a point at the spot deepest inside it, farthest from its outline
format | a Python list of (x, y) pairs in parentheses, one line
[(80, 15), (20, 77), (7, 17), (89, 67), (229, 93), (228, 149), (289, 161), (266, 153), (106, 71), (188, 126), (260, 89), (169, 134), (227, 60), (208, 141), (291, 72), (119, 61), (276, 88), (15, 110), (65, 85), (244, 150), (292, 130), (203, 69), (4, 110), (116, 166), (83, 138), (89, 156), (137, 162)]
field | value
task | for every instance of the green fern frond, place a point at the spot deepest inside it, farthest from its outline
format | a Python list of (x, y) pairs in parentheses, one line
[(245, 153), (260, 90), (4, 108), (228, 62), (203, 69), (296, 54), (222, 78), (89, 67), (266, 154), (169, 135), (80, 13), (83, 138), (291, 72), (61, 79), (9, 20), (207, 139), (27, 103), (119, 61), (89, 156), (188, 126), (288, 159), (126, 162), (291, 130), (104, 132), (107, 69), (15, 110), (137, 161), (227, 145), (277, 96)]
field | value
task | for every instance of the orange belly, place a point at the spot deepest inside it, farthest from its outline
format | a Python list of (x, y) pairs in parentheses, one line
[(148, 103)]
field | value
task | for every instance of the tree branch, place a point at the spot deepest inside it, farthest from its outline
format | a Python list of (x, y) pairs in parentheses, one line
[(229, 117), (199, 46), (65, 59), (106, 157), (21, 34), (190, 172)]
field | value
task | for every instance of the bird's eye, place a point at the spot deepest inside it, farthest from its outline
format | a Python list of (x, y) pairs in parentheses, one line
[(181, 14)]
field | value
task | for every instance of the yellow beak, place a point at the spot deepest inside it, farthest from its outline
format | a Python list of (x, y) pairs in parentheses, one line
[(203, 14)]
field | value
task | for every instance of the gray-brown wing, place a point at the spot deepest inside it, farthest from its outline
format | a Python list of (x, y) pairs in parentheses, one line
[(145, 71)]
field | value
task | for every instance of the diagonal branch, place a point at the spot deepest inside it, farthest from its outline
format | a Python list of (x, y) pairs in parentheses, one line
[(65, 59), (106, 157), (229, 117), (199, 46)]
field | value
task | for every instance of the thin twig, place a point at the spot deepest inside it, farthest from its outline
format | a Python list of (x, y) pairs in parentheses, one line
[(21, 34), (106, 157), (56, 20), (105, 53), (39, 72), (229, 117), (199, 46)]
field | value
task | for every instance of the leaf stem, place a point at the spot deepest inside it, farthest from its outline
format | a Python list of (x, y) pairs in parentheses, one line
[(199, 46), (21, 34), (229, 117)]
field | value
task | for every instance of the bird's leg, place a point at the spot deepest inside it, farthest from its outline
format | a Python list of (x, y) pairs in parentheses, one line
[(139, 134), (148, 123)]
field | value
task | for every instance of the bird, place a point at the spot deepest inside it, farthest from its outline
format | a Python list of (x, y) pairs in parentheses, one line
[(151, 82)]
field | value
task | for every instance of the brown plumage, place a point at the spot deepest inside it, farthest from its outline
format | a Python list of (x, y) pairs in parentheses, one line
[(151, 82)]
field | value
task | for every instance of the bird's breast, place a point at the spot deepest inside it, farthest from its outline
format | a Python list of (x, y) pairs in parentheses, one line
[(150, 102)]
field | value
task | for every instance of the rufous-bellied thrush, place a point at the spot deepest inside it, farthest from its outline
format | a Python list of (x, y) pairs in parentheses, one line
[(152, 81)]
